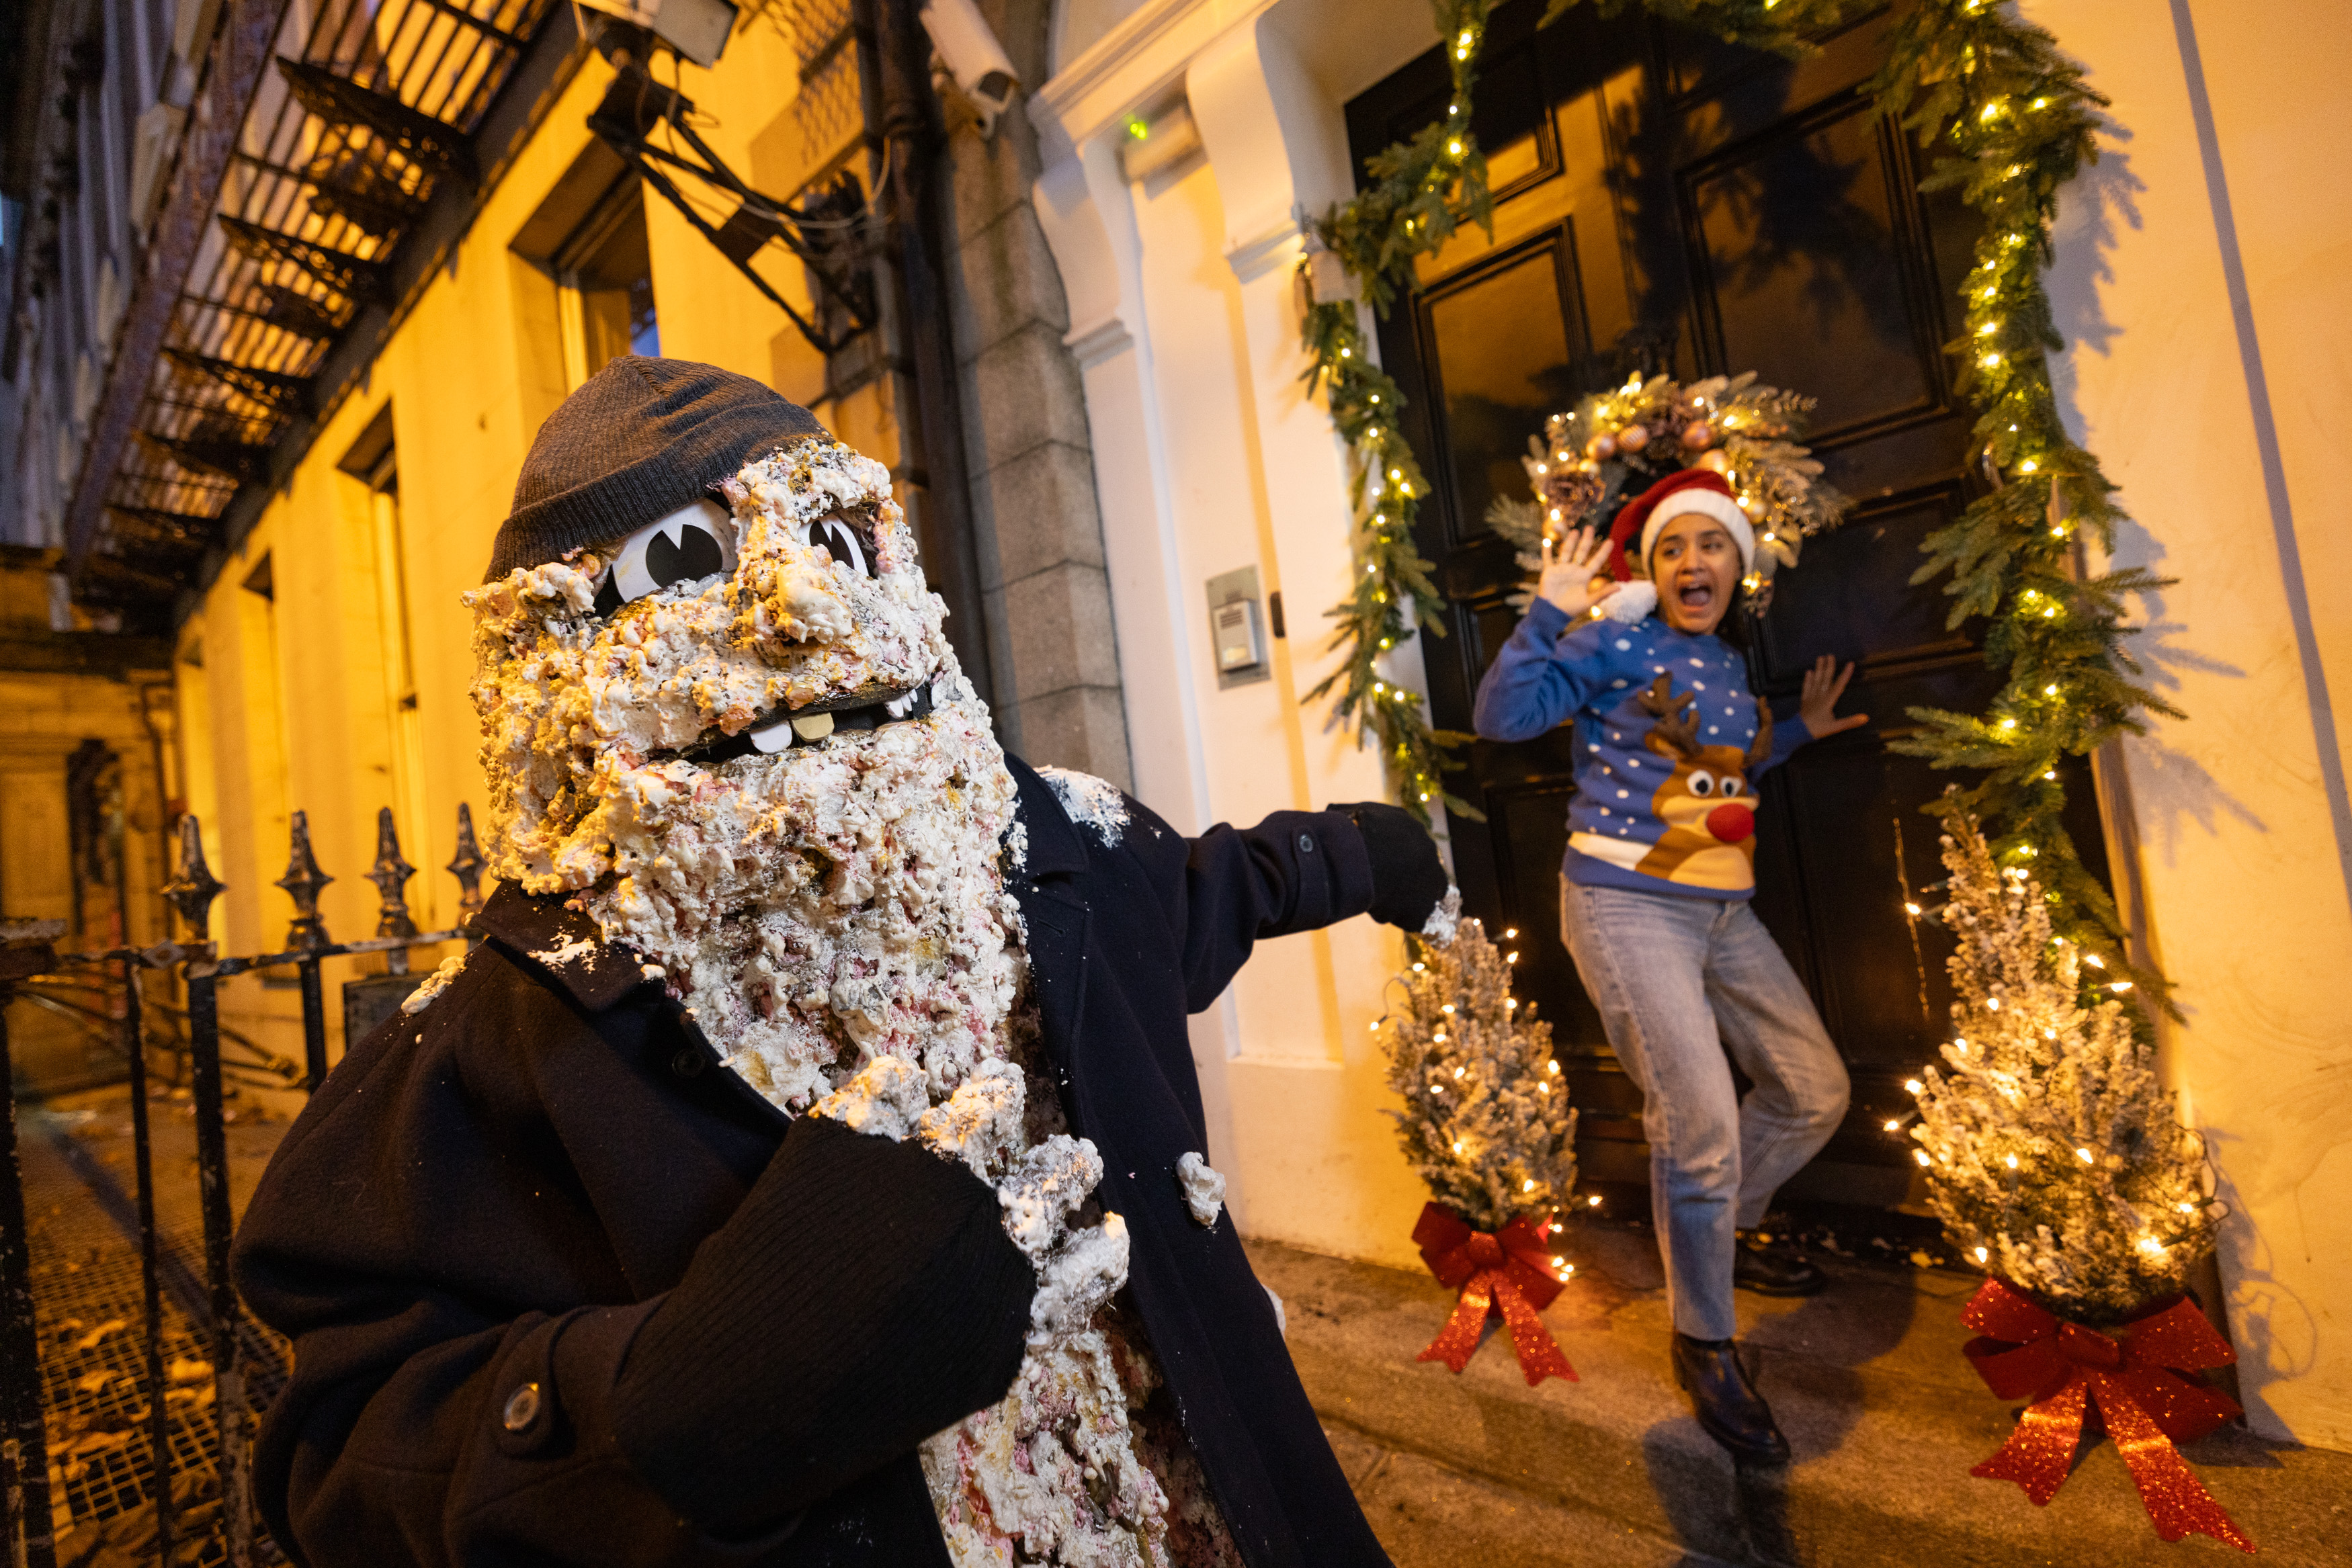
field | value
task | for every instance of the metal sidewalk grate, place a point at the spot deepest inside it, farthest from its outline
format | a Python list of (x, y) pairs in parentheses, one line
[(89, 1313)]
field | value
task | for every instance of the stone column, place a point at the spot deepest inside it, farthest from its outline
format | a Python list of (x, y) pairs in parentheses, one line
[(1035, 502)]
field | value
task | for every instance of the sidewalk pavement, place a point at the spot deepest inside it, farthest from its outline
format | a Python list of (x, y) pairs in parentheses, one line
[(1885, 1417), (1607, 1472)]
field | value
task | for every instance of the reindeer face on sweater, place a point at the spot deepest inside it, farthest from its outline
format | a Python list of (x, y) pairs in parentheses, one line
[(739, 736), (1705, 802)]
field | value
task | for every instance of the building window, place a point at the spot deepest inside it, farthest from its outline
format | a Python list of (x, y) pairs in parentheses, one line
[(606, 269)]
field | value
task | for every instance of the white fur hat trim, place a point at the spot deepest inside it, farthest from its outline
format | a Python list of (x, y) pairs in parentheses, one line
[(1711, 503), (1631, 602)]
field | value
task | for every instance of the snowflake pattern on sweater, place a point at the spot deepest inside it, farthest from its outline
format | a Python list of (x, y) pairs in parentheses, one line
[(1665, 748)]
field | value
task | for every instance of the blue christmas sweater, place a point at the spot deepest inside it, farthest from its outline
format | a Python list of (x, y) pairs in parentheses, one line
[(1667, 748)]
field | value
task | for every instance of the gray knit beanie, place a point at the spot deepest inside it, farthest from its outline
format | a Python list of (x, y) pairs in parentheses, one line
[(640, 439)]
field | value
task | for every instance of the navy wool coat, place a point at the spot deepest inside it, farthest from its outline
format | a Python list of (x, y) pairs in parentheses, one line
[(498, 1190)]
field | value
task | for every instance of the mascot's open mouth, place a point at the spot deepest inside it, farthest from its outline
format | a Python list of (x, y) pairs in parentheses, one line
[(813, 724)]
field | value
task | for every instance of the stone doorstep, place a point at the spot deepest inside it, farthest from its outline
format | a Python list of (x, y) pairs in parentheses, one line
[(1867, 1380)]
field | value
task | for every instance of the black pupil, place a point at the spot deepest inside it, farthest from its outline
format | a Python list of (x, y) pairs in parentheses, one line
[(841, 544), (695, 555)]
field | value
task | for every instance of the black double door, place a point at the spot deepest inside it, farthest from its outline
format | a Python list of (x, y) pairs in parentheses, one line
[(1664, 202)]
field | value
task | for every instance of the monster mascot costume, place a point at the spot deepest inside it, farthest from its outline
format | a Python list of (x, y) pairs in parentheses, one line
[(809, 1166)]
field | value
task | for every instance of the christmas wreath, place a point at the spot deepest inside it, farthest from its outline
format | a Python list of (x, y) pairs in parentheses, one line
[(1626, 438)]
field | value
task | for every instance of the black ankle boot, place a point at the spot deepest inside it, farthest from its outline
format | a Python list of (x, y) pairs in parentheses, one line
[(1727, 1405), (1773, 1268)]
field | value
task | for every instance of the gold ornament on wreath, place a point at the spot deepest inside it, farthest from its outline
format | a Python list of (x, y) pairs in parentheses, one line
[(1614, 445)]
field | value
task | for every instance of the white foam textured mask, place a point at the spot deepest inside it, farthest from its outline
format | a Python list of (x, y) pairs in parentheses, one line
[(818, 901)]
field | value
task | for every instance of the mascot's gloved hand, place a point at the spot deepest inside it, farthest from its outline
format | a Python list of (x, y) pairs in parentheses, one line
[(864, 1296), (1408, 878)]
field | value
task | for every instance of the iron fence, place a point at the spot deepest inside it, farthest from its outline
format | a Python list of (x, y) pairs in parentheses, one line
[(189, 1032)]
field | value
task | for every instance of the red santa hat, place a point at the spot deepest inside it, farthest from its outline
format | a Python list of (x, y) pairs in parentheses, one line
[(1700, 490)]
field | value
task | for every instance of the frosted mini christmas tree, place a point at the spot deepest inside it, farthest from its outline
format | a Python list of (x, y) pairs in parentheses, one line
[(1487, 1125), (1487, 1120), (2056, 1160), (2053, 1156)]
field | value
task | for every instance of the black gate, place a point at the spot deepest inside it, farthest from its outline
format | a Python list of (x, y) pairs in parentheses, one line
[(70, 1395)]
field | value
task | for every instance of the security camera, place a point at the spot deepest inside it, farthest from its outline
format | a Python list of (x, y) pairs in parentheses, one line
[(977, 62), (697, 29)]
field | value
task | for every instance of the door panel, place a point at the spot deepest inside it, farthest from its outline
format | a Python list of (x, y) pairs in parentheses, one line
[(1502, 337), (1851, 597), (1667, 203), (1791, 234)]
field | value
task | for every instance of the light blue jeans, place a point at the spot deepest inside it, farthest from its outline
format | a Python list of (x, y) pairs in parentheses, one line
[(1678, 981)]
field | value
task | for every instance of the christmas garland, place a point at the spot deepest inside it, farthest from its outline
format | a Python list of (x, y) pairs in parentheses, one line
[(2017, 123), (1422, 192), (2021, 123)]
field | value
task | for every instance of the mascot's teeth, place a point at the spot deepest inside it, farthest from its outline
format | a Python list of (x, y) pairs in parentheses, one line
[(898, 706), (774, 738), (812, 726)]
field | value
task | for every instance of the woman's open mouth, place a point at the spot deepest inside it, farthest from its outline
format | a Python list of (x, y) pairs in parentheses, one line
[(1696, 595), (812, 724)]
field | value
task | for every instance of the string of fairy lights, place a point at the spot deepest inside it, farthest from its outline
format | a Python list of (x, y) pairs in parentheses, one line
[(1422, 193), (2013, 121), (2009, 122)]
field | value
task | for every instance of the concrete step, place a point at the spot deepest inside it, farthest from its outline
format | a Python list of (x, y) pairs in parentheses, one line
[(1867, 1380)]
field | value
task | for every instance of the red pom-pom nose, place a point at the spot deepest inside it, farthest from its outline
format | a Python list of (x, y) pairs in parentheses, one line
[(1731, 823)]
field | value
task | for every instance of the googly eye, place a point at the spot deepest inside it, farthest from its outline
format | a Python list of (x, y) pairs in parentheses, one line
[(690, 544), (1733, 785), (1702, 782), (841, 542)]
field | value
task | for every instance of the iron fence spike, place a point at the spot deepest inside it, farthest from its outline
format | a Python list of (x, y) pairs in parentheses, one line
[(469, 866), (191, 891), (303, 882), (391, 873)]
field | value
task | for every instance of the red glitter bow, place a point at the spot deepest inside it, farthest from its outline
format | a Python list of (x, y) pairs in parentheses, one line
[(1507, 1272), (2028, 1353)]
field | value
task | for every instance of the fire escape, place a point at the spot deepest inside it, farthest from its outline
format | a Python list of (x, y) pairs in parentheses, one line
[(310, 161)]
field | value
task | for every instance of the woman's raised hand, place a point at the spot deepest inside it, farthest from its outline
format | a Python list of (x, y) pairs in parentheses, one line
[(1824, 683), (1568, 567)]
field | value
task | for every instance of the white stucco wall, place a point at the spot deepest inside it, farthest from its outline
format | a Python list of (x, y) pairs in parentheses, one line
[(2217, 421), (2222, 418), (1209, 457)]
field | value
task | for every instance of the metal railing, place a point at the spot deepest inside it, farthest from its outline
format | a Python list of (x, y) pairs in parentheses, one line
[(29, 963)]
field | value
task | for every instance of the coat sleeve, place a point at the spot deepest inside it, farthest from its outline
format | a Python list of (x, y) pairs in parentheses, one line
[(480, 1380), (1296, 870)]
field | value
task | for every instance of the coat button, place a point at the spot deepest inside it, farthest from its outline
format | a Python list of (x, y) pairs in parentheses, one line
[(522, 1407), (1306, 843), (686, 1062)]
